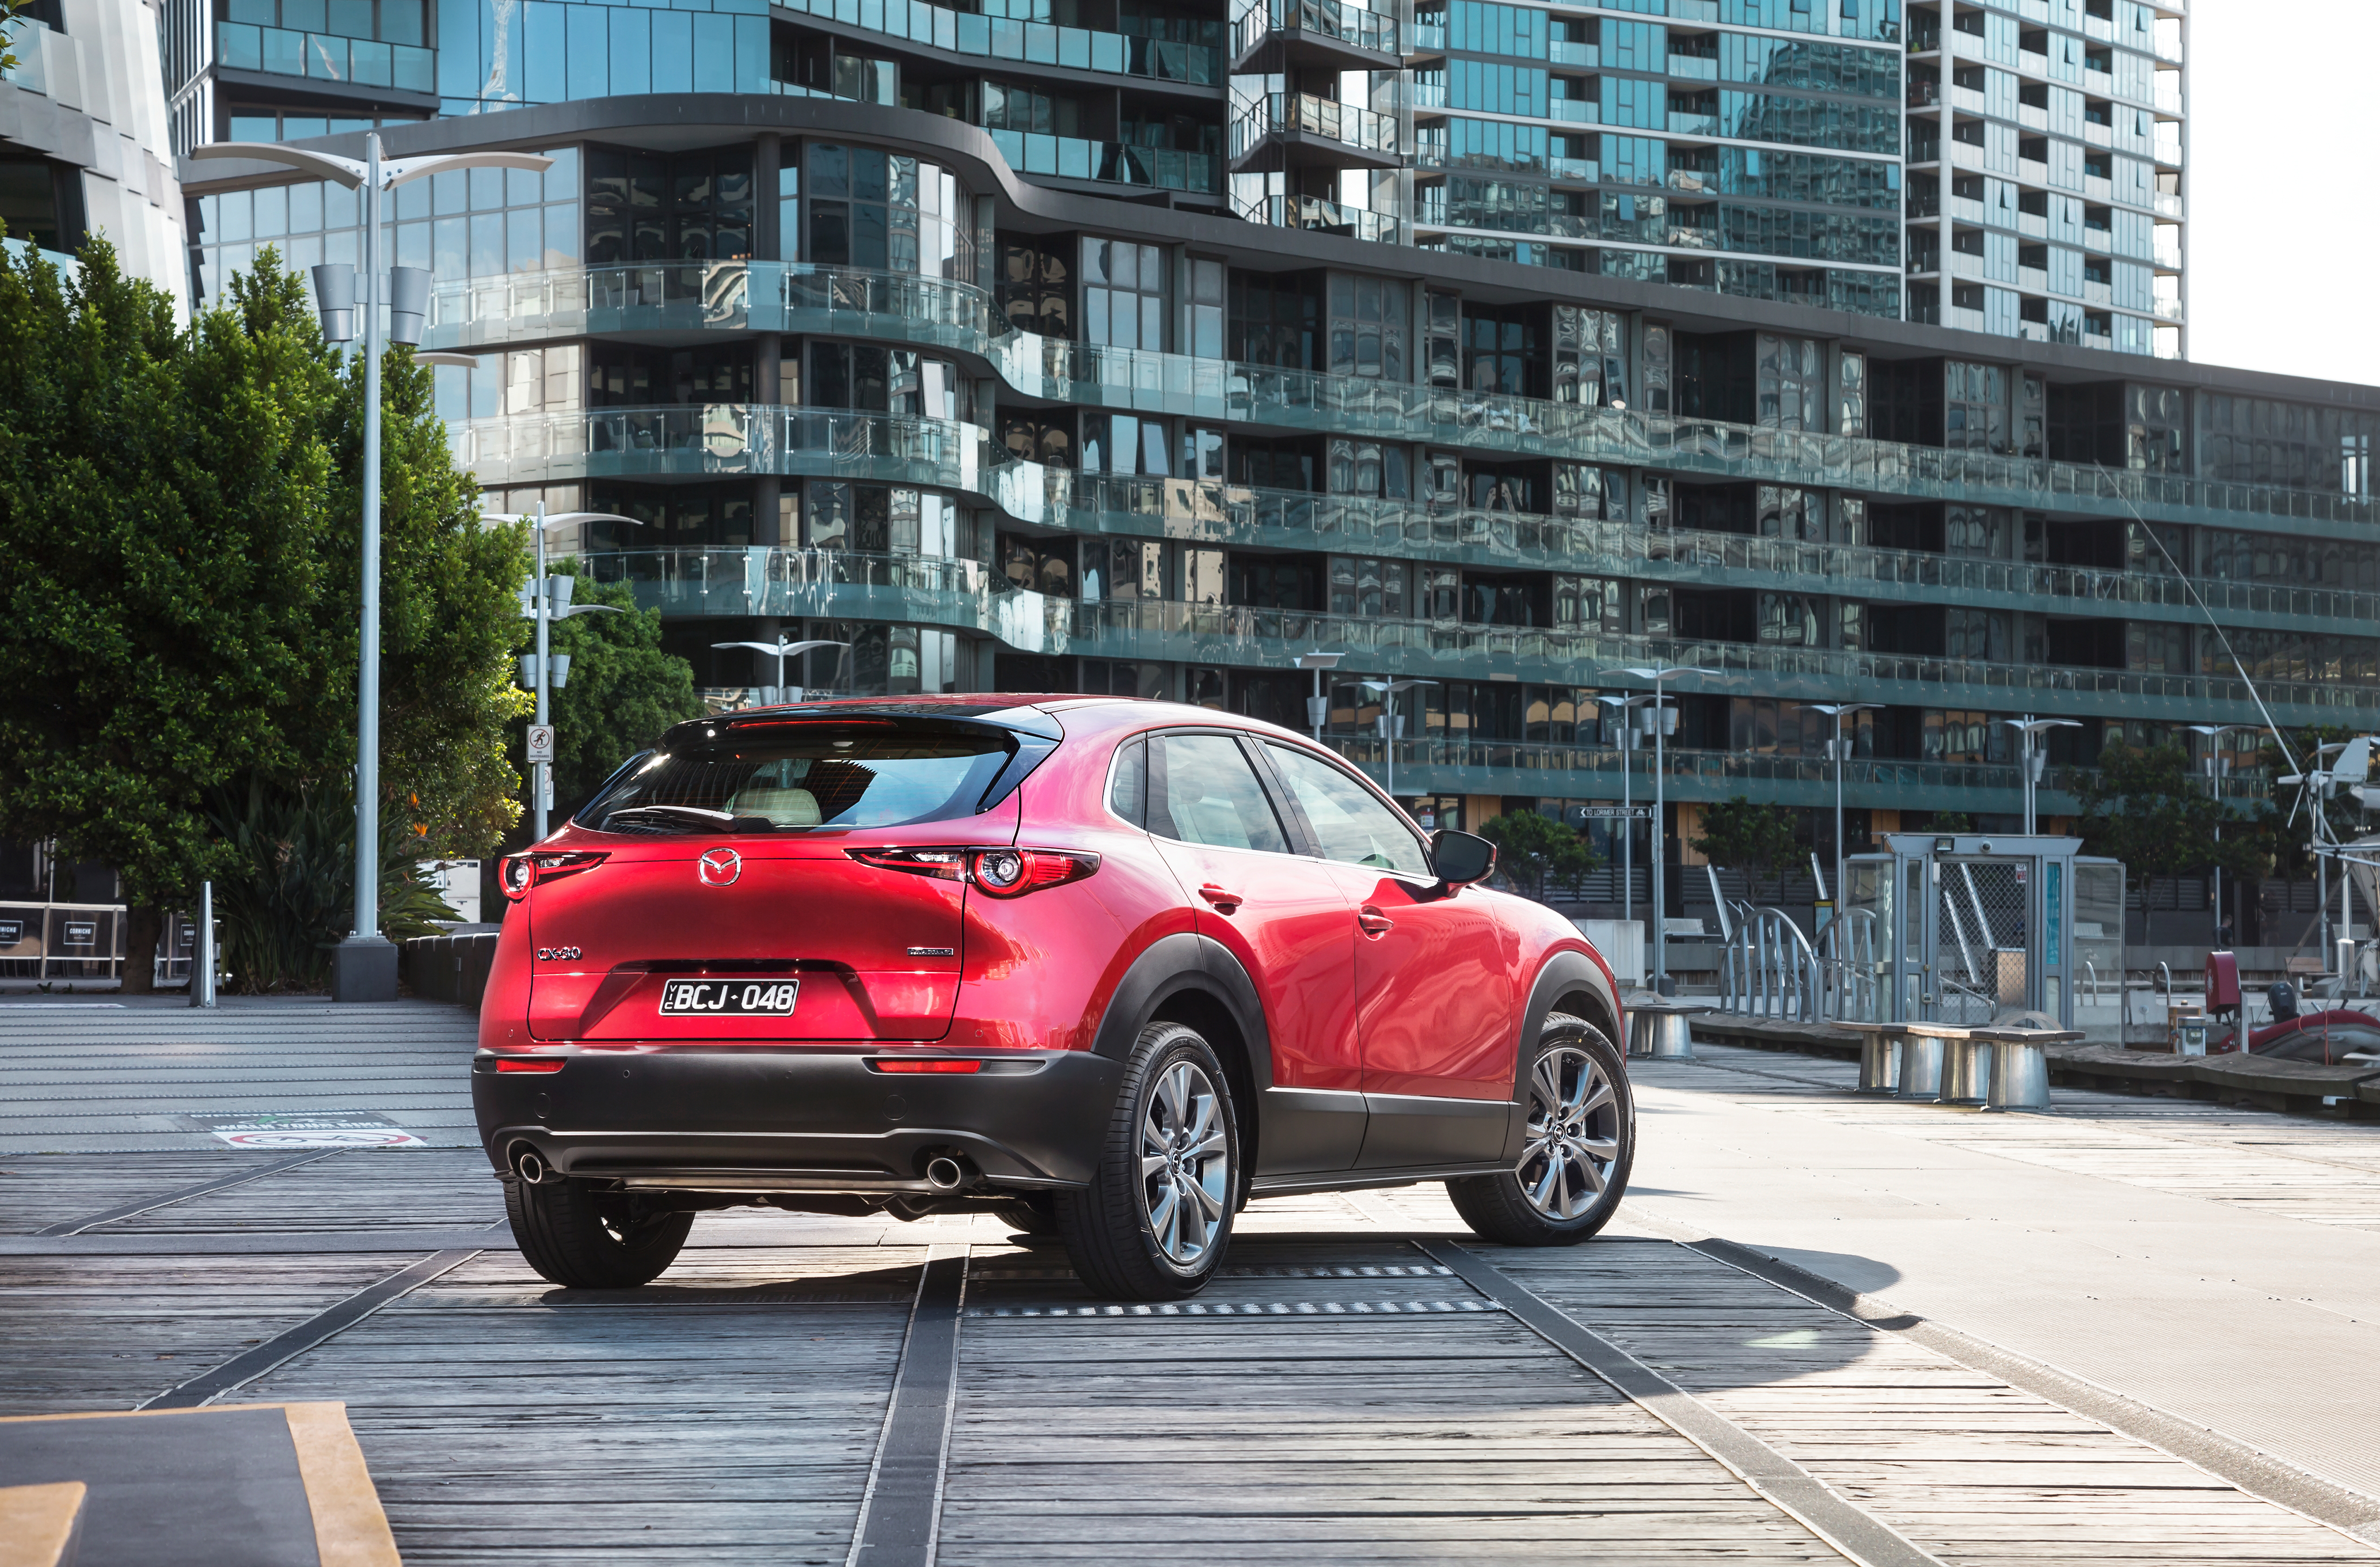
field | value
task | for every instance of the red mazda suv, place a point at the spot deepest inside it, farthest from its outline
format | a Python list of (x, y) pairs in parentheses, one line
[(1109, 968)]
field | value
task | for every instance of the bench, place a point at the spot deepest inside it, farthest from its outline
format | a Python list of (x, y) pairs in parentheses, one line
[(1959, 1064)]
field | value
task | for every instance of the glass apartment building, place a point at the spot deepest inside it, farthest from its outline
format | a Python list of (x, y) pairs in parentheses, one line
[(1831, 347)]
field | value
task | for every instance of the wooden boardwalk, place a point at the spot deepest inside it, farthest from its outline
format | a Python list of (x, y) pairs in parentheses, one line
[(1337, 1396)]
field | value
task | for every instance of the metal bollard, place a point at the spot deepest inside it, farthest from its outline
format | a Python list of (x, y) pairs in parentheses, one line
[(1921, 1068), (2020, 1078), (203, 956), (1879, 1064), (1966, 1071), (1665, 1035)]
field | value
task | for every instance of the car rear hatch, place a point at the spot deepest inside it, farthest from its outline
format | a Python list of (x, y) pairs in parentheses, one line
[(744, 860)]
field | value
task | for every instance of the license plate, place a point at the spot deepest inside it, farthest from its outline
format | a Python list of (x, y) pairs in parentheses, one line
[(729, 998)]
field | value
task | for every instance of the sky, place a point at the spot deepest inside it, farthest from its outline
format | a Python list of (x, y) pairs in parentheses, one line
[(2283, 187)]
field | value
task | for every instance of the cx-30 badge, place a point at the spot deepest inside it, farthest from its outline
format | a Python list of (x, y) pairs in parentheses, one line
[(719, 868)]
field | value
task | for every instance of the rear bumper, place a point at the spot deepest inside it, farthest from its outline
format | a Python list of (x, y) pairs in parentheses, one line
[(747, 1119)]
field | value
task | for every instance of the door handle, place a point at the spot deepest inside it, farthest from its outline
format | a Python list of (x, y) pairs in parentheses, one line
[(1373, 922), (1224, 900)]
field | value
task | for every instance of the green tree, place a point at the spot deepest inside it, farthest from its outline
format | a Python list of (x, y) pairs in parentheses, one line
[(1743, 837), (2145, 805), (8, 57), (180, 512), (1534, 849), (624, 689)]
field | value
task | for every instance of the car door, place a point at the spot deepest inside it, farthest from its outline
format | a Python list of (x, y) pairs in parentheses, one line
[(1436, 995), (1285, 918)]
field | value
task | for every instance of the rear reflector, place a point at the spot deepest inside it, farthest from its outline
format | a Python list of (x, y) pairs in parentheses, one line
[(529, 1066), (927, 1064)]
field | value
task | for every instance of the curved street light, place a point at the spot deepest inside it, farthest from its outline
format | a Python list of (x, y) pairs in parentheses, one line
[(781, 650), (363, 966)]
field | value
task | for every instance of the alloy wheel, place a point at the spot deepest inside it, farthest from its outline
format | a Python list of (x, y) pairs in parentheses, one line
[(1574, 1134), (1185, 1164)]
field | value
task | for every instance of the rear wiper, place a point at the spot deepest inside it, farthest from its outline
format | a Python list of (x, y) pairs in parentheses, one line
[(719, 820)]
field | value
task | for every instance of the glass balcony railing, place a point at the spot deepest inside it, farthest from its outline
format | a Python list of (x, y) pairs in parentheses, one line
[(1327, 217), (769, 580), (1071, 157), (740, 438), (280, 51), (1315, 18), (1563, 52), (1282, 113), (1582, 111), (1450, 650), (796, 297), (1035, 44), (1697, 774)]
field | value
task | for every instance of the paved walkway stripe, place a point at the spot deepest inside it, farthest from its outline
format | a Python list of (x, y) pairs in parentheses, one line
[(1860, 1535), (1248, 1308), (242, 1369), (2259, 1473), (220, 1183), (900, 1513)]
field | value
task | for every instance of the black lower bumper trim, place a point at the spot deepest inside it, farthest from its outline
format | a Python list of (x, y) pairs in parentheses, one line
[(814, 1119)]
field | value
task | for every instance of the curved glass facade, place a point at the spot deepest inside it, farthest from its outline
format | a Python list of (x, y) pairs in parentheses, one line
[(996, 357)]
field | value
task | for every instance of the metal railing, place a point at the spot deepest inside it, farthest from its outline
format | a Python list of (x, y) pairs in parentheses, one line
[(1036, 44), (1322, 18), (1280, 114), (1850, 951), (1767, 969), (1327, 217)]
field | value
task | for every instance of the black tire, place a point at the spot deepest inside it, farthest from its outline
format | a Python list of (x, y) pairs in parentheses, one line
[(1561, 1191), (1126, 1240), (583, 1240), (1027, 1216)]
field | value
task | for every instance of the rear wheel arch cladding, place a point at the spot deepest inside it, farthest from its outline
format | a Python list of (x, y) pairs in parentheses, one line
[(1193, 980)]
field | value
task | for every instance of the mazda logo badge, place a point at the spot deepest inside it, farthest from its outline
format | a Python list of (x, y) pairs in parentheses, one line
[(719, 868)]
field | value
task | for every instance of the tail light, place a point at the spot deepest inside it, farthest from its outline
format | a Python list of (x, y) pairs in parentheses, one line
[(1009, 873), (520, 872), (1003, 873)]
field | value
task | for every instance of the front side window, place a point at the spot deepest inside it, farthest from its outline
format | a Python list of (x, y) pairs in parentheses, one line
[(1201, 790), (1349, 821)]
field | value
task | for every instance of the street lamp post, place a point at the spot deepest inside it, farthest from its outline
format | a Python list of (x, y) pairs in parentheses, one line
[(2031, 757), (1388, 690), (2216, 765), (1838, 750), (363, 966), (1317, 707), (1622, 708), (783, 649), (1664, 719), (546, 605)]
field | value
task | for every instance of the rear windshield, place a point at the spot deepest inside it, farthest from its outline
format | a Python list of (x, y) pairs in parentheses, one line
[(797, 777)]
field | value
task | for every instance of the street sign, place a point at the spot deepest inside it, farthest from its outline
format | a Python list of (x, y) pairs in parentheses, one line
[(1616, 813), (540, 742)]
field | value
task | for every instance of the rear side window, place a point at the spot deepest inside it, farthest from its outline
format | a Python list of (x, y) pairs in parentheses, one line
[(1201, 790), (793, 777), (1128, 785), (1349, 821)]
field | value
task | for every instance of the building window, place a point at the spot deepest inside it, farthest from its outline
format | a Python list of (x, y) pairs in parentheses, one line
[(693, 207), (1369, 318), (1124, 294), (886, 213)]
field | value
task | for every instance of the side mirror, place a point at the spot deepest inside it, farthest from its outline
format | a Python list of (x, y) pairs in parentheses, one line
[(1461, 858)]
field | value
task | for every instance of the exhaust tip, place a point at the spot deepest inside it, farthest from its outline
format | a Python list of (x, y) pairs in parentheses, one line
[(945, 1173), (530, 1166)]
